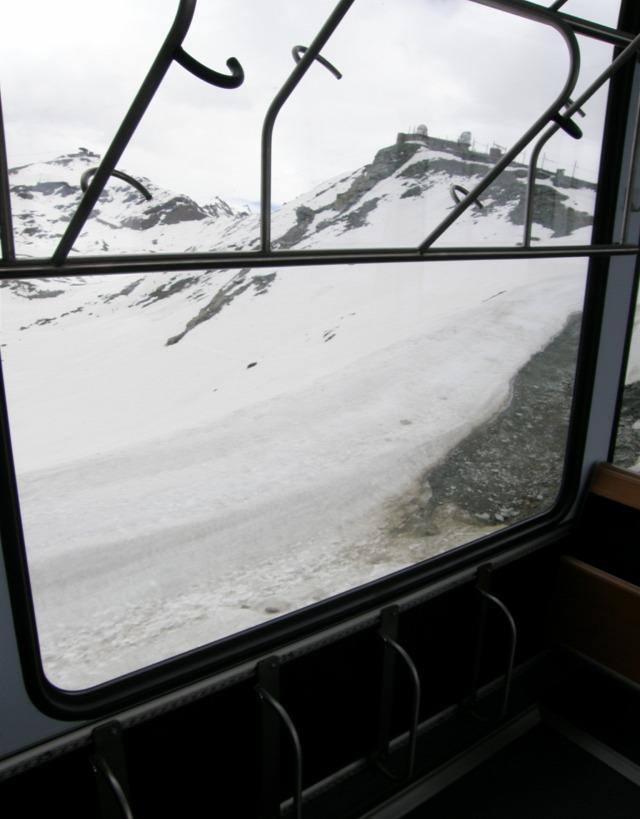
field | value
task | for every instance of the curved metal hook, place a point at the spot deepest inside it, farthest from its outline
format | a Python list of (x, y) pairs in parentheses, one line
[(567, 125), (100, 766), (332, 22), (298, 51), (235, 79), (455, 189), (86, 176), (170, 50)]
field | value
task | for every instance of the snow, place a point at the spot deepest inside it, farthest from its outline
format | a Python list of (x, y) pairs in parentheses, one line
[(118, 204), (174, 495)]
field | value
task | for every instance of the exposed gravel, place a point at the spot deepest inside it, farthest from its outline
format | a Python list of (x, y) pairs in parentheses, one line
[(510, 468), (627, 451)]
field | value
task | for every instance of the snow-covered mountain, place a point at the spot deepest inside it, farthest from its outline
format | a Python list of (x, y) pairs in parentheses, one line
[(394, 201), (45, 195), (199, 452)]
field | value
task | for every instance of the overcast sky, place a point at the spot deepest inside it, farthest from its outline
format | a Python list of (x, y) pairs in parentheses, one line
[(69, 70)]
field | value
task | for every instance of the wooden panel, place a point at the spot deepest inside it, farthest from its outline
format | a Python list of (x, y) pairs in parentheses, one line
[(617, 484), (598, 615)]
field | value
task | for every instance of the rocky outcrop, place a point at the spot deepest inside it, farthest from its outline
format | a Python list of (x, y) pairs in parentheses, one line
[(238, 285), (170, 212), (386, 162), (304, 219)]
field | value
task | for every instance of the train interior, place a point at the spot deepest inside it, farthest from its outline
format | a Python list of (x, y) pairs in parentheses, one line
[(496, 679)]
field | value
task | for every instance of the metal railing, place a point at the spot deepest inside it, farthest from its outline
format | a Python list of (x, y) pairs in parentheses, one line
[(557, 115)]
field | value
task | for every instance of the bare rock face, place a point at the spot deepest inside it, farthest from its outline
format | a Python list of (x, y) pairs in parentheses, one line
[(240, 283), (507, 193), (386, 162), (304, 218), (171, 212)]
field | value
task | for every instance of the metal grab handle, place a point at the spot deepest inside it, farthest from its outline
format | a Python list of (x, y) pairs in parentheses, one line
[(484, 574), (171, 50), (388, 632), (86, 176), (99, 765), (297, 747), (299, 50), (415, 711)]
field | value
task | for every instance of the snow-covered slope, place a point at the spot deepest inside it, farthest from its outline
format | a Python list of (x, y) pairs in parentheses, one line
[(45, 195), (199, 452), (393, 202), (406, 191)]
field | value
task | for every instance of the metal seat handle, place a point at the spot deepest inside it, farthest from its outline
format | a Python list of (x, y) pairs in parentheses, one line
[(268, 689), (484, 574), (100, 766), (297, 747), (388, 632), (415, 711)]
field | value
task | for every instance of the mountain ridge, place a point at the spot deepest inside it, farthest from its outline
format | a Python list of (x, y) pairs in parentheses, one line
[(389, 202)]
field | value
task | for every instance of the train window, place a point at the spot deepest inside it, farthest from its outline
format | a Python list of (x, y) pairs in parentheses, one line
[(180, 481), (203, 443)]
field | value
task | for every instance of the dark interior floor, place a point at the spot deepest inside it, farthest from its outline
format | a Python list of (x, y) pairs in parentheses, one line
[(540, 775)]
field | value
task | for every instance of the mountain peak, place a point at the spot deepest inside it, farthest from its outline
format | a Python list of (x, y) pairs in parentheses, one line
[(46, 194), (394, 201)]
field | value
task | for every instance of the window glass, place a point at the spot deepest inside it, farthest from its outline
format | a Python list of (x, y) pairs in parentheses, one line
[(200, 452), (445, 111), (197, 454)]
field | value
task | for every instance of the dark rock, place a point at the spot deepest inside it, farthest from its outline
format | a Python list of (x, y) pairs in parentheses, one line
[(238, 284), (386, 162), (168, 289), (304, 217), (358, 217), (414, 190), (173, 211)]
